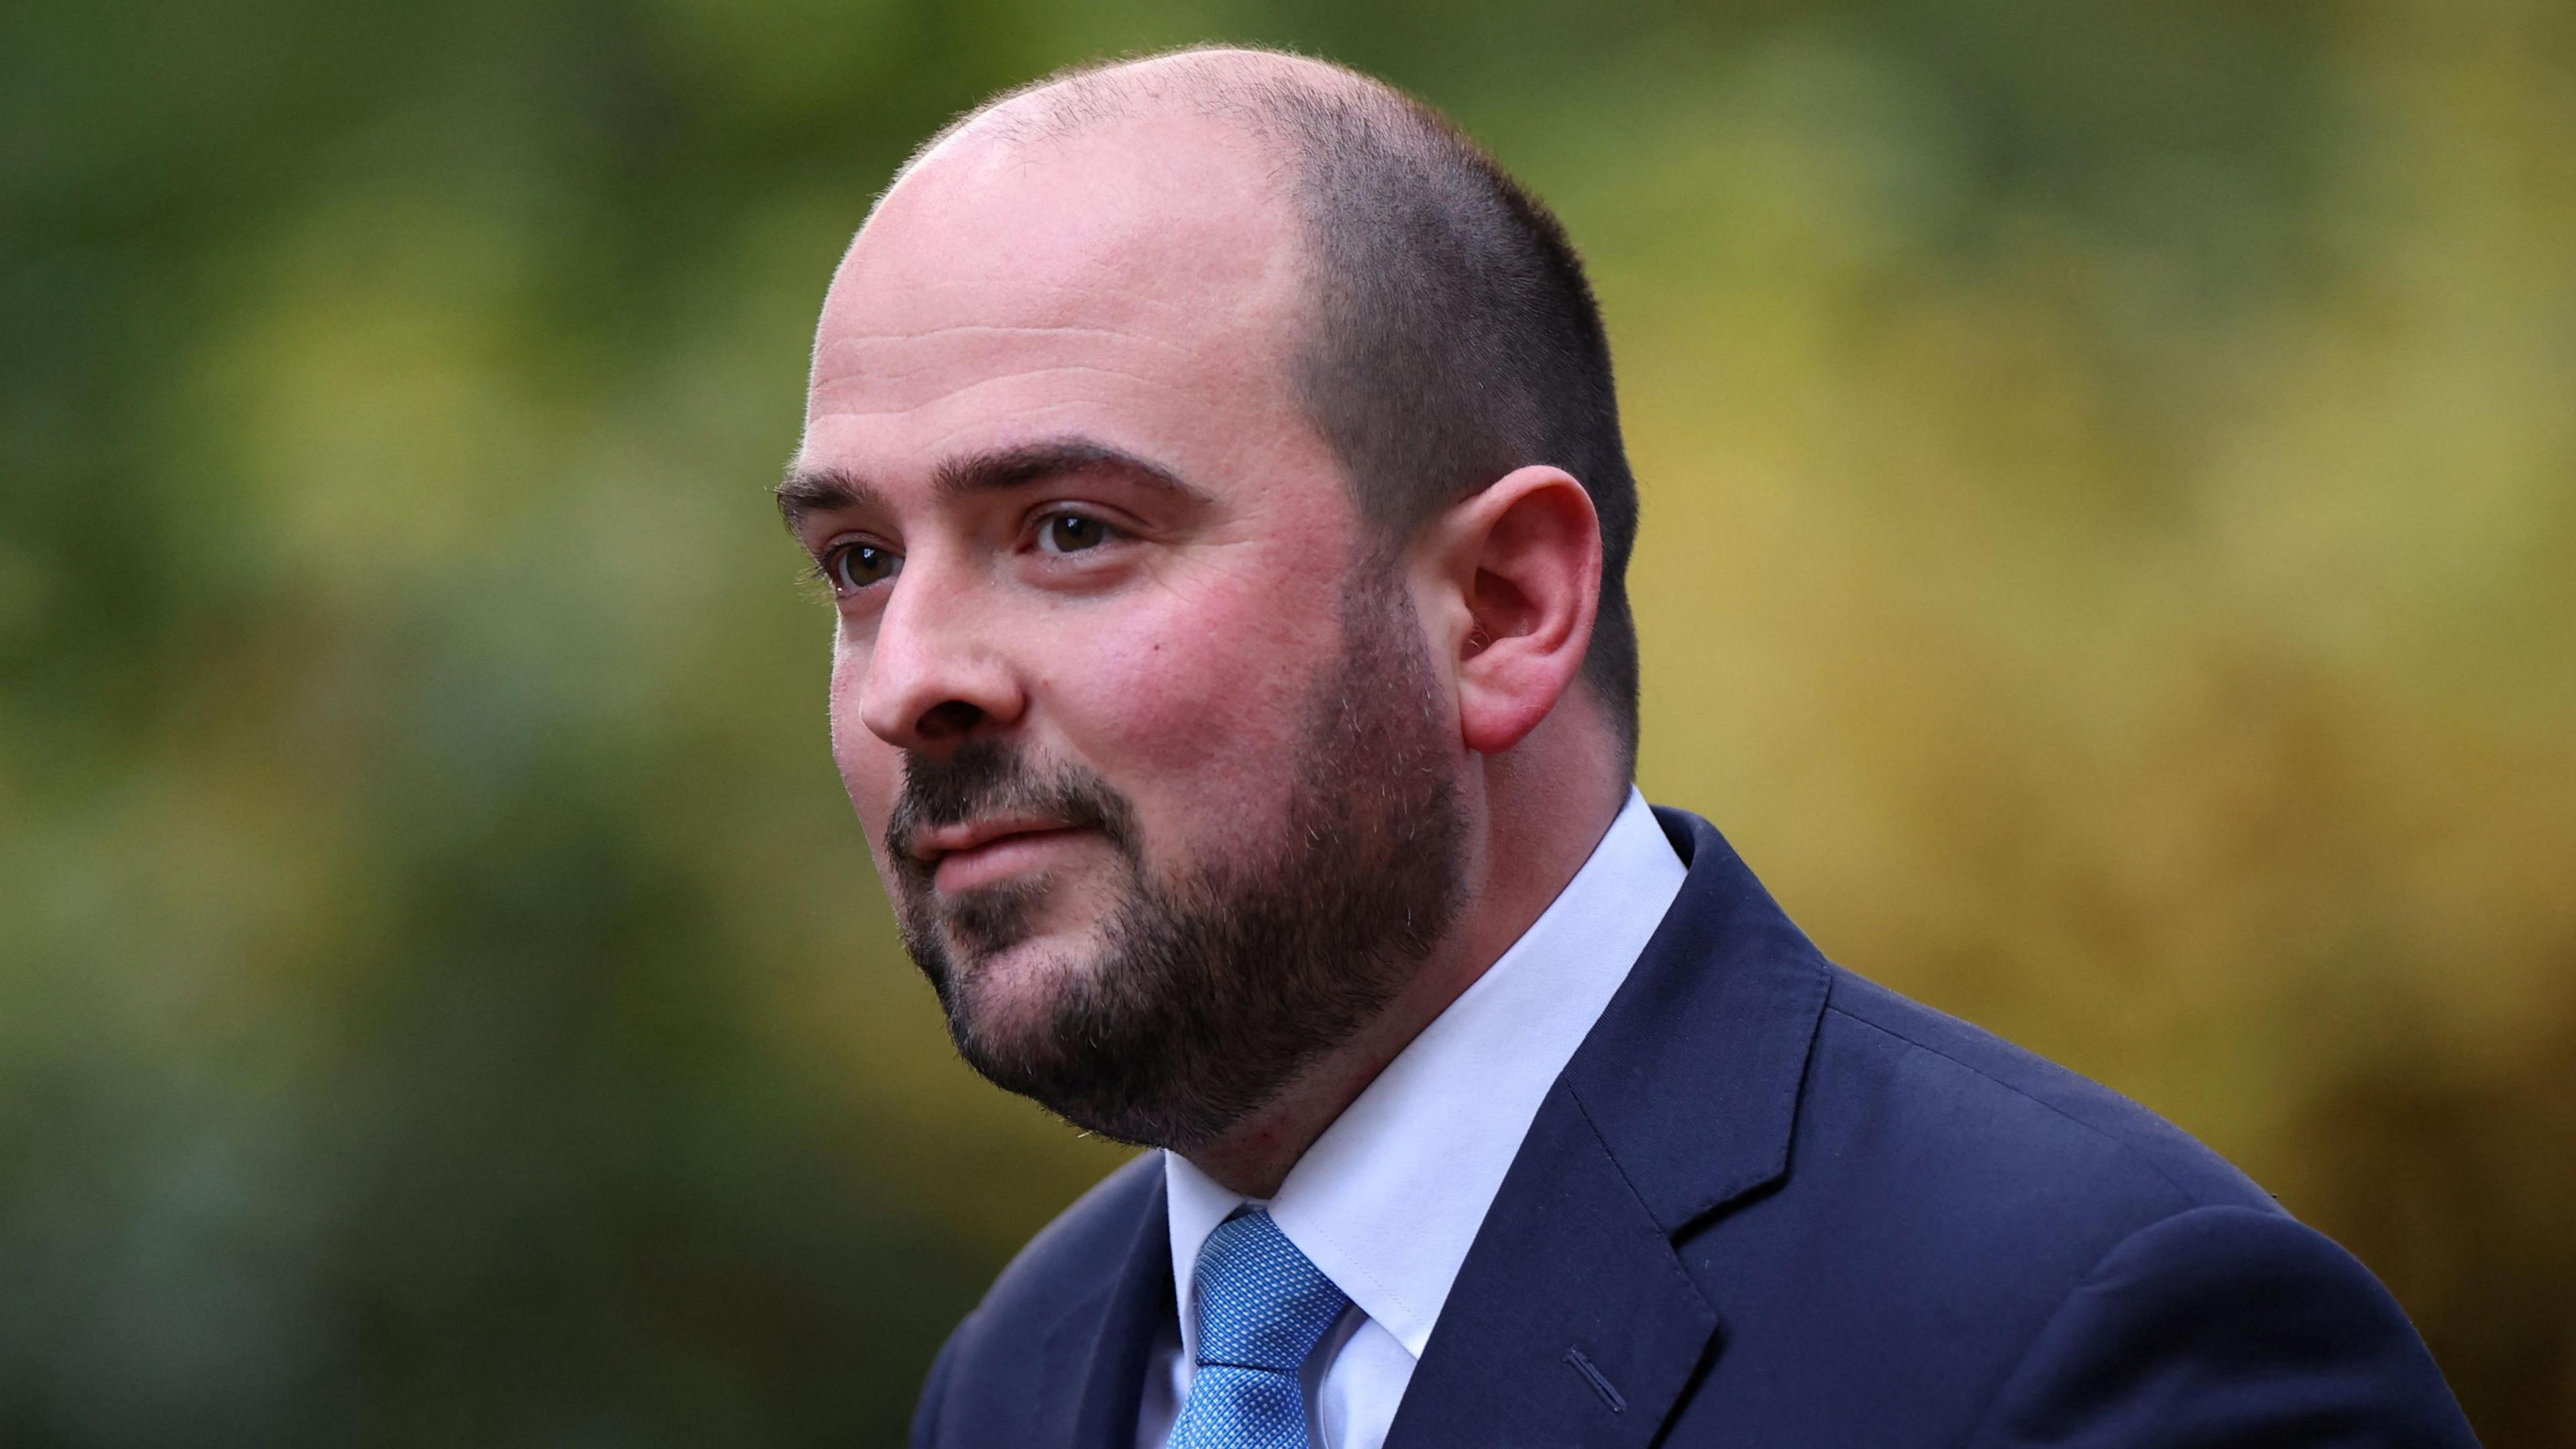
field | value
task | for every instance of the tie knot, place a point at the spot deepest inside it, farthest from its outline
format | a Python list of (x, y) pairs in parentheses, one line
[(1262, 1304)]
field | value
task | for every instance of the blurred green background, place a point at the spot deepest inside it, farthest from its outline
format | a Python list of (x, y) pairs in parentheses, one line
[(2110, 561)]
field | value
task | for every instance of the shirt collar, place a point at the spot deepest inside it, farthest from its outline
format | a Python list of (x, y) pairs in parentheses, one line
[(1389, 1198)]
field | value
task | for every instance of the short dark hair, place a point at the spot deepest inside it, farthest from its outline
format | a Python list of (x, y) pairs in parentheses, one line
[(1453, 336)]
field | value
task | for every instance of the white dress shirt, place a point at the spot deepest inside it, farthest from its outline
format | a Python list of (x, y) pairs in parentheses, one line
[(1387, 1201)]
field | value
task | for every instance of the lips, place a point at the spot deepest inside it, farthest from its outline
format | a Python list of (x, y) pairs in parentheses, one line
[(962, 857)]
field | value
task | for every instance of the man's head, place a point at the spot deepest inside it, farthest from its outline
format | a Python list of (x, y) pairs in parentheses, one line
[(1214, 460)]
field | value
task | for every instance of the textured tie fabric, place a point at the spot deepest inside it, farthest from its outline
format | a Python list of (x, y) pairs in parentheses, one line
[(1262, 1307)]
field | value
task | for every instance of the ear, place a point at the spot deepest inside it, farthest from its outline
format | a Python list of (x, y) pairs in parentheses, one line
[(1517, 576)]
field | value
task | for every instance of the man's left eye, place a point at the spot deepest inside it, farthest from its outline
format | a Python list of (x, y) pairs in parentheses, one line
[(1072, 533)]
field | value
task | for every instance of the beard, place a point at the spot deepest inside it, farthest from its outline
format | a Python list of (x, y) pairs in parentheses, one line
[(1211, 989)]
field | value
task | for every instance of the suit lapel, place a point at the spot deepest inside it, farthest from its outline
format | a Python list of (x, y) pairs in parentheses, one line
[(1692, 1075), (1572, 1321), (1105, 1343)]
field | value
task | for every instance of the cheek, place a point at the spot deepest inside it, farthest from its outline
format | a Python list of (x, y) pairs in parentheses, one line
[(871, 770), (1197, 695)]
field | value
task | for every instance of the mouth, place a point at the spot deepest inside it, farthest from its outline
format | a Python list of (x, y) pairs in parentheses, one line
[(980, 853)]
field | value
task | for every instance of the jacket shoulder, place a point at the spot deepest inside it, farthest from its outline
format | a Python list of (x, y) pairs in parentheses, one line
[(2224, 1325), (2203, 1313), (1944, 1194), (2010, 1114)]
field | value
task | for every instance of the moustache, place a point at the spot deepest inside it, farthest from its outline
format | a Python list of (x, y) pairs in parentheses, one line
[(988, 778)]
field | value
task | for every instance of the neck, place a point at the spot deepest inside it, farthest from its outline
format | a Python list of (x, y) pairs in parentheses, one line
[(1541, 822)]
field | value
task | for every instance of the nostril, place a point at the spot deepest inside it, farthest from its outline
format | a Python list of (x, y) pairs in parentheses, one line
[(949, 719)]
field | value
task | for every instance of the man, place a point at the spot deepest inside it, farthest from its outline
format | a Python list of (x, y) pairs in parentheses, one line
[(1215, 462)]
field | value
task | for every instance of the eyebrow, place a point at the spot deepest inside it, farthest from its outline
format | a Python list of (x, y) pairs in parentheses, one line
[(808, 491)]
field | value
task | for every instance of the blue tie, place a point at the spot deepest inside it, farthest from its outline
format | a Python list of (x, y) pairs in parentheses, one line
[(1262, 1308)]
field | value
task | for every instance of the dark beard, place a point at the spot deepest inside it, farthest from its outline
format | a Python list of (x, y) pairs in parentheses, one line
[(1214, 989)]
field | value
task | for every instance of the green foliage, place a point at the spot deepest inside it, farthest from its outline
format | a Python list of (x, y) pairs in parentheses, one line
[(2110, 559)]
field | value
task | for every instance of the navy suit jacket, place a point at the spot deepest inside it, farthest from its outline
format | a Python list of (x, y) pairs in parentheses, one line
[(1769, 1203)]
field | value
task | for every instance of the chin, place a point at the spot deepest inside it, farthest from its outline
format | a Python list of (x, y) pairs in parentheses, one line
[(1015, 994)]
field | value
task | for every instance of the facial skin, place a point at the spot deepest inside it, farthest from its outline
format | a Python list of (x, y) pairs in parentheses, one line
[(1105, 597), (1202, 994)]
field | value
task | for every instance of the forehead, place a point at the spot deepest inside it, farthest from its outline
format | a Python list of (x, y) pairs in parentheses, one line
[(1136, 283)]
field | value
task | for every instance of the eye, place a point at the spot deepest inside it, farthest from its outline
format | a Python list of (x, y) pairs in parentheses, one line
[(1072, 533), (851, 567)]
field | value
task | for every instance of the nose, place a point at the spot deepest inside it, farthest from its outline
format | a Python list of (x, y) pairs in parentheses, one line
[(937, 672)]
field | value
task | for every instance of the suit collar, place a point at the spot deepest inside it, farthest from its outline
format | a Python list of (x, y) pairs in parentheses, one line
[(1572, 1322), (1692, 1075)]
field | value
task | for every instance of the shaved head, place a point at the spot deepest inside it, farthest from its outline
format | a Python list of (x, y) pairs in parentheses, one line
[(1446, 334)]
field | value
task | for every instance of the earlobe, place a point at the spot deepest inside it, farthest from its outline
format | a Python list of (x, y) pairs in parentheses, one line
[(1525, 558)]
